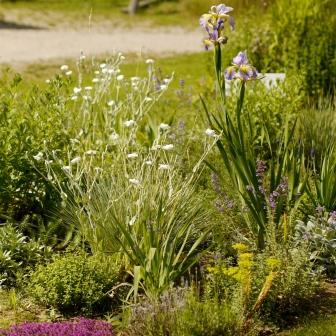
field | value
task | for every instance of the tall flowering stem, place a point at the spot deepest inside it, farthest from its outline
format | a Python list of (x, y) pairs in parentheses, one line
[(214, 23), (269, 191), (218, 67)]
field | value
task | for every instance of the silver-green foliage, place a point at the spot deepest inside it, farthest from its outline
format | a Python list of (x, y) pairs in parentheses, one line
[(319, 232), (124, 197)]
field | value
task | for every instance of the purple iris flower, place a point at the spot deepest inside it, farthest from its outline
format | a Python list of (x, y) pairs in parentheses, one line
[(213, 22), (232, 23), (230, 73), (241, 68), (221, 9), (247, 72), (240, 59), (203, 21)]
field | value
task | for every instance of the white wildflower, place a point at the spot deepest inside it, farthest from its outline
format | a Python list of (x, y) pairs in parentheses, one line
[(88, 88), (73, 141), (38, 156), (102, 65), (114, 136), (91, 152), (148, 162), (68, 73), (74, 97), (149, 61), (163, 87), (132, 221), (97, 72), (164, 167), (164, 126), (129, 123), (67, 169), (75, 160), (77, 90), (64, 67), (148, 99), (47, 81), (111, 103), (132, 155), (95, 80), (210, 132), (134, 181), (168, 147), (156, 147), (120, 78)]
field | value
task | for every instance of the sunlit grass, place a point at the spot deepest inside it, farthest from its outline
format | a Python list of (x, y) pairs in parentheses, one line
[(320, 327)]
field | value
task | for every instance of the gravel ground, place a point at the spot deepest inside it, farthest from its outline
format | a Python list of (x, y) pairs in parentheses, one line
[(34, 45)]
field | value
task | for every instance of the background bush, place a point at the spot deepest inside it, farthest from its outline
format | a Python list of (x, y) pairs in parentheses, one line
[(30, 120), (298, 37)]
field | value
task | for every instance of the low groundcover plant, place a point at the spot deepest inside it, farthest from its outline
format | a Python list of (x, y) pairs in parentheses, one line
[(78, 327)]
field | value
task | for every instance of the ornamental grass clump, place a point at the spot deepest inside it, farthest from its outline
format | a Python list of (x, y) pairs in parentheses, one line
[(78, 327)]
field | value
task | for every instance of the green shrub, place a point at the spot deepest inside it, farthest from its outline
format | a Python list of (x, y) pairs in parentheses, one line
[(296, 283), (74, 283), (30, 120), (17, 253), (299, 37), (181, 312), (316, 125), (274, 284)]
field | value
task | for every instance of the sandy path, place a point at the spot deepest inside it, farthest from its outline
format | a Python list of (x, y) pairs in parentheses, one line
[(28, 46)]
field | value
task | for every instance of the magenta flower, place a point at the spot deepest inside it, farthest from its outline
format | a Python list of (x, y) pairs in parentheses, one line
[(79, 327)]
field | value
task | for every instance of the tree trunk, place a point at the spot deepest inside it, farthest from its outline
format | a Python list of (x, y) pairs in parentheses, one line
[(133, 6)]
